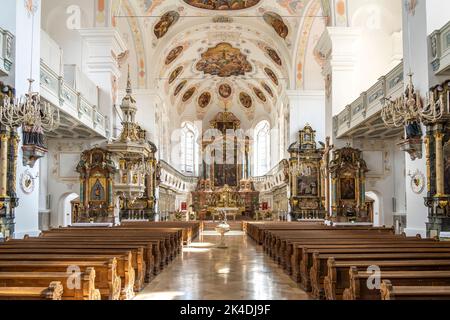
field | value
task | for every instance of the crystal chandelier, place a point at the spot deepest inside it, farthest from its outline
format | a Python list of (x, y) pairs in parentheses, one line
[(409, 109)]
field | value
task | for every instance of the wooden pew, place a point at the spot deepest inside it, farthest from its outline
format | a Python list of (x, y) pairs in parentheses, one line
[(124, 268), (338, 277), (54, 291), (82, 288), (319, 268), (390, 292), (107, 280), (299, 253), (137, 254), (359, 289)]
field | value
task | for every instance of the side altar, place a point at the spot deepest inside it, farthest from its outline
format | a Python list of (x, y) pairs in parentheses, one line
[(225, 169)]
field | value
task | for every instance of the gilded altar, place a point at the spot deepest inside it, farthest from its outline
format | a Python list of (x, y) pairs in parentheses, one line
[(437, 149), (348, 178), (305, 178), (96, 202), (225, 170), (9, 144)]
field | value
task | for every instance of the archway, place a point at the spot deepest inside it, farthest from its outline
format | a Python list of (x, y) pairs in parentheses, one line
[(65, 208), (377, 207)]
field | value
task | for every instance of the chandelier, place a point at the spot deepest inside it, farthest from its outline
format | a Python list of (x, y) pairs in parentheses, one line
[(409, 109), (32, 114), (29, 111)]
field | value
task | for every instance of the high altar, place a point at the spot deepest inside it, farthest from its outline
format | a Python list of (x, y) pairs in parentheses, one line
[(224, 184)]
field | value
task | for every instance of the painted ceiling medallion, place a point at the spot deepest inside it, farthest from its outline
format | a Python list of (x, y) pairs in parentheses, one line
[(174, 54), (259, 94), (165, 23), (225, 91), (204, 100), (274, 56), (188, 94), (277, 23), (245, 100), (272, 76), (267, 88), (222, 4), (180, 87), (174, 75), (224, 61)]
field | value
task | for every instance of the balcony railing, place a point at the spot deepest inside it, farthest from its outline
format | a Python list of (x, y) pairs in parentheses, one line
[(6, 52), (67, 88), (439, 42), (175, 180), (370, 103), (275, 178)]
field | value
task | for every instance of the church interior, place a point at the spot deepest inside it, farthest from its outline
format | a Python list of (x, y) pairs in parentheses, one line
[(225, 149)]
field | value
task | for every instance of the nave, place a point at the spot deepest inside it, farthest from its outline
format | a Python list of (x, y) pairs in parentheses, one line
[(204, 272)]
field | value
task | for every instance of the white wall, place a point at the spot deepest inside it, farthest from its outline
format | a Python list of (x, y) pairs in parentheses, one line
[(307, 107), (438, 14)]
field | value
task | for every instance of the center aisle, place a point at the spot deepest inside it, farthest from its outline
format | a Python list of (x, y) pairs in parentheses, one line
[(241, 272)]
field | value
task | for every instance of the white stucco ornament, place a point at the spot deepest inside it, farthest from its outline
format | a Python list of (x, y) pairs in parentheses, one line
[(417, 182), (27, 182)]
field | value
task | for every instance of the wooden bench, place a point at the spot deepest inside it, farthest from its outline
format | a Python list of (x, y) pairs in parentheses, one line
[(359, 290), (107, 280), (390, 292), (358, 243), (80, 288), (338, 277), (319, 268), (54, 291), (124, 268)]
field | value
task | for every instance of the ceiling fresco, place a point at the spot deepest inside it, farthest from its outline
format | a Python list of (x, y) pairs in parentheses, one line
[(225, 91), (204, 100), (180, 87), (203, 56), (272, 76), (224, 61), (223, 4), (174, 54), (261, 96), (267, 88), (165, 23), (175, 74), (276, 22), (245, 100), (274, 56), (188, 94)]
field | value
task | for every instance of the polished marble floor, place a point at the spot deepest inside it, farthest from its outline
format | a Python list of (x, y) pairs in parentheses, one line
[(241, 272)]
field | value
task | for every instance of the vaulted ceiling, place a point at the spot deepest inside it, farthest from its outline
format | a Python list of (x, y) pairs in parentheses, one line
[(206, 55)]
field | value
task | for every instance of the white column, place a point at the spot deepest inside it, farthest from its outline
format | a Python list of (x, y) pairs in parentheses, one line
[(339, 46), (417, 62), (307, 107), (101, 46), (27, 214)]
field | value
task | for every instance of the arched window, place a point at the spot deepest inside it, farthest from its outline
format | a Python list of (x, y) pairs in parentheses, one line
[(262, 148), (189, 149)]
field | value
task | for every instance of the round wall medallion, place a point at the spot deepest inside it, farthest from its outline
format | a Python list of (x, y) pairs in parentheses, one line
[(417, 182), (27, 182)]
